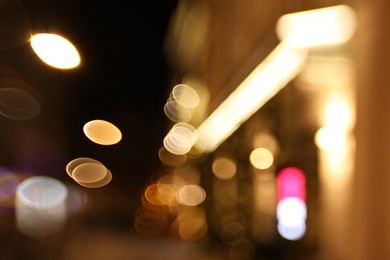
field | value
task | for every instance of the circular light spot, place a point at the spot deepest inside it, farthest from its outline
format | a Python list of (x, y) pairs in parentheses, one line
[(41, 192), (224, 168), (78, 161), (55, 50), (292, 232), (177, 113), (106, 180), (102, 132), (180, 138), (291, 211), (185, 95), (89, 172), (151, 194), (191, 195), (261, 158)]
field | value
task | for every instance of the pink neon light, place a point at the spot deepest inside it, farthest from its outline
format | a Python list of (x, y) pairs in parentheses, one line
[(291, 182)]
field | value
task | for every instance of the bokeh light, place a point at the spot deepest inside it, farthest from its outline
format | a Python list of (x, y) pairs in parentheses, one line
[(261, 158), (191, 195), (78, 161), (180, 138), (55, 50), (186, 96), (292, 232), (291, 182), (102, 132), (98, 184), (224, 168), (41, 206), (291, 211), (330, 138), (176, 113), (319, 27), (89, 172)]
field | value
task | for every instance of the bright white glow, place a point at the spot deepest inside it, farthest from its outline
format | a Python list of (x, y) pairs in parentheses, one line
[(319, 27), (270, 76), (291, 211), (40, 206), (41, 192), (292, 232), (55, 50), (330, 138), (338, 113)]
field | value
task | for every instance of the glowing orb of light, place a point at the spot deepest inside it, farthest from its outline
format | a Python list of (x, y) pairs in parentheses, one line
[(55, 50), (291, 211), (224, 168), (261, 158), (41, 192), (191, 195), (89, 172), (292, 232), (102, 132)]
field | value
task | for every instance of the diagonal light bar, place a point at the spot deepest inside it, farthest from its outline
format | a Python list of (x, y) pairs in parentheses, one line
[(267, 79), (298, 32)]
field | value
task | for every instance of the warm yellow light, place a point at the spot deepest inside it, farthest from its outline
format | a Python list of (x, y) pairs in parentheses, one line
[(191, 195), (180, 138), (185, 96), (270, 76), (55, 50), (102, 132), (224, 168), (261, 158), (319, 27), (338, 113), (89, 172)]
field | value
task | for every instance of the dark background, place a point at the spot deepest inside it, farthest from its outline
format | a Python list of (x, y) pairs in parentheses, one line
[(124, 78)]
